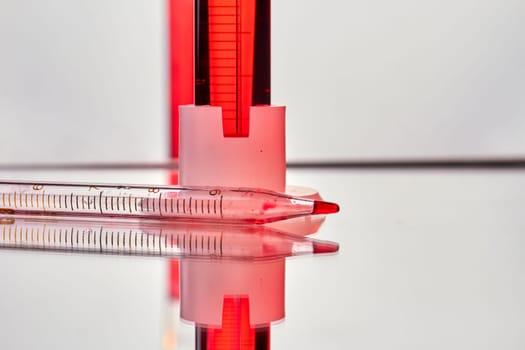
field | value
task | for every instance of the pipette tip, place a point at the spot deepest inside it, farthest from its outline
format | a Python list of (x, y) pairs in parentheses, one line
[(321, 207), (321, 247)]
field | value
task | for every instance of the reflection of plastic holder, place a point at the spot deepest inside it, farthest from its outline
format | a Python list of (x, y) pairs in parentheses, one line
[(205, 284)]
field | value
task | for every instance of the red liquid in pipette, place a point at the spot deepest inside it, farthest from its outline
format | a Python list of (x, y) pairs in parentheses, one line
[(321, 247), (321, 207)]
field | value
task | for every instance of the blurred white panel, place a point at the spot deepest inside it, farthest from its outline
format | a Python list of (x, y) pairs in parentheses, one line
[(87, 80), (376, 78), (82, 80), (56, 301)]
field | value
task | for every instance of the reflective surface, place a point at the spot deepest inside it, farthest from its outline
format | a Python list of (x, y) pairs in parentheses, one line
[(428, 259), (168, 239)]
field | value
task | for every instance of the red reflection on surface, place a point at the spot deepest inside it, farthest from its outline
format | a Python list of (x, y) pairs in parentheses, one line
[(325, 247), (174, 289), (236, 332)]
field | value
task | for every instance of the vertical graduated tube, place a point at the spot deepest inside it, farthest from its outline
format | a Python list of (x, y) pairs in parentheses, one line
[(232, 59), (232, 82)]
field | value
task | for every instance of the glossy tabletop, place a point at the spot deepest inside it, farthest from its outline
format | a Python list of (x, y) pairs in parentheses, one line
[(429, 259)]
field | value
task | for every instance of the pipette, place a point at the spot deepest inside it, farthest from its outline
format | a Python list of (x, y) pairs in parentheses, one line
[(161, 239), (216, 204)]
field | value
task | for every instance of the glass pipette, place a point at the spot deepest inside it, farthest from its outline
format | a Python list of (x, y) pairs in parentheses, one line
[(216, 204), (163, 239)]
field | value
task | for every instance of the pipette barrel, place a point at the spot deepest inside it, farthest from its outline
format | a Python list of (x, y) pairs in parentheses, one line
[(215, 204)]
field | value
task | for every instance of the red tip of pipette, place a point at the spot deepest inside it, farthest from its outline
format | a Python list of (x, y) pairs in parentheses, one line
[(325, 247), (321, 207)]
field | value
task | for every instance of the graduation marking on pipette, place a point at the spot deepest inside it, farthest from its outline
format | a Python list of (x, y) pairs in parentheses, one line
[(216, 204)]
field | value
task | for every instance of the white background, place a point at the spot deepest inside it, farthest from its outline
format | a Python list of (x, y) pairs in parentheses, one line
[(86, 80)]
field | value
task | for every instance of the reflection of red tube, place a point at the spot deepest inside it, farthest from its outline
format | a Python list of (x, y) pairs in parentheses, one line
[(236, 332), (173, 281), (232, 58), (232, 303)]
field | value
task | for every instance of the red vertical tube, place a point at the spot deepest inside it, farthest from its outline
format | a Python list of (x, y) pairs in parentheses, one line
[(232, 58), (231, 39), (232, 70), (180, 29)]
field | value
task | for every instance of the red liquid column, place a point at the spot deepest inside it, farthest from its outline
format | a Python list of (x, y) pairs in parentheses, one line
[(232, 70), (232, 59), (180, 23)]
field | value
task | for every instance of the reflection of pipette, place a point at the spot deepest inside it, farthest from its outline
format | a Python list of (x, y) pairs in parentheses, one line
[(218, 204), (155, 238)]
